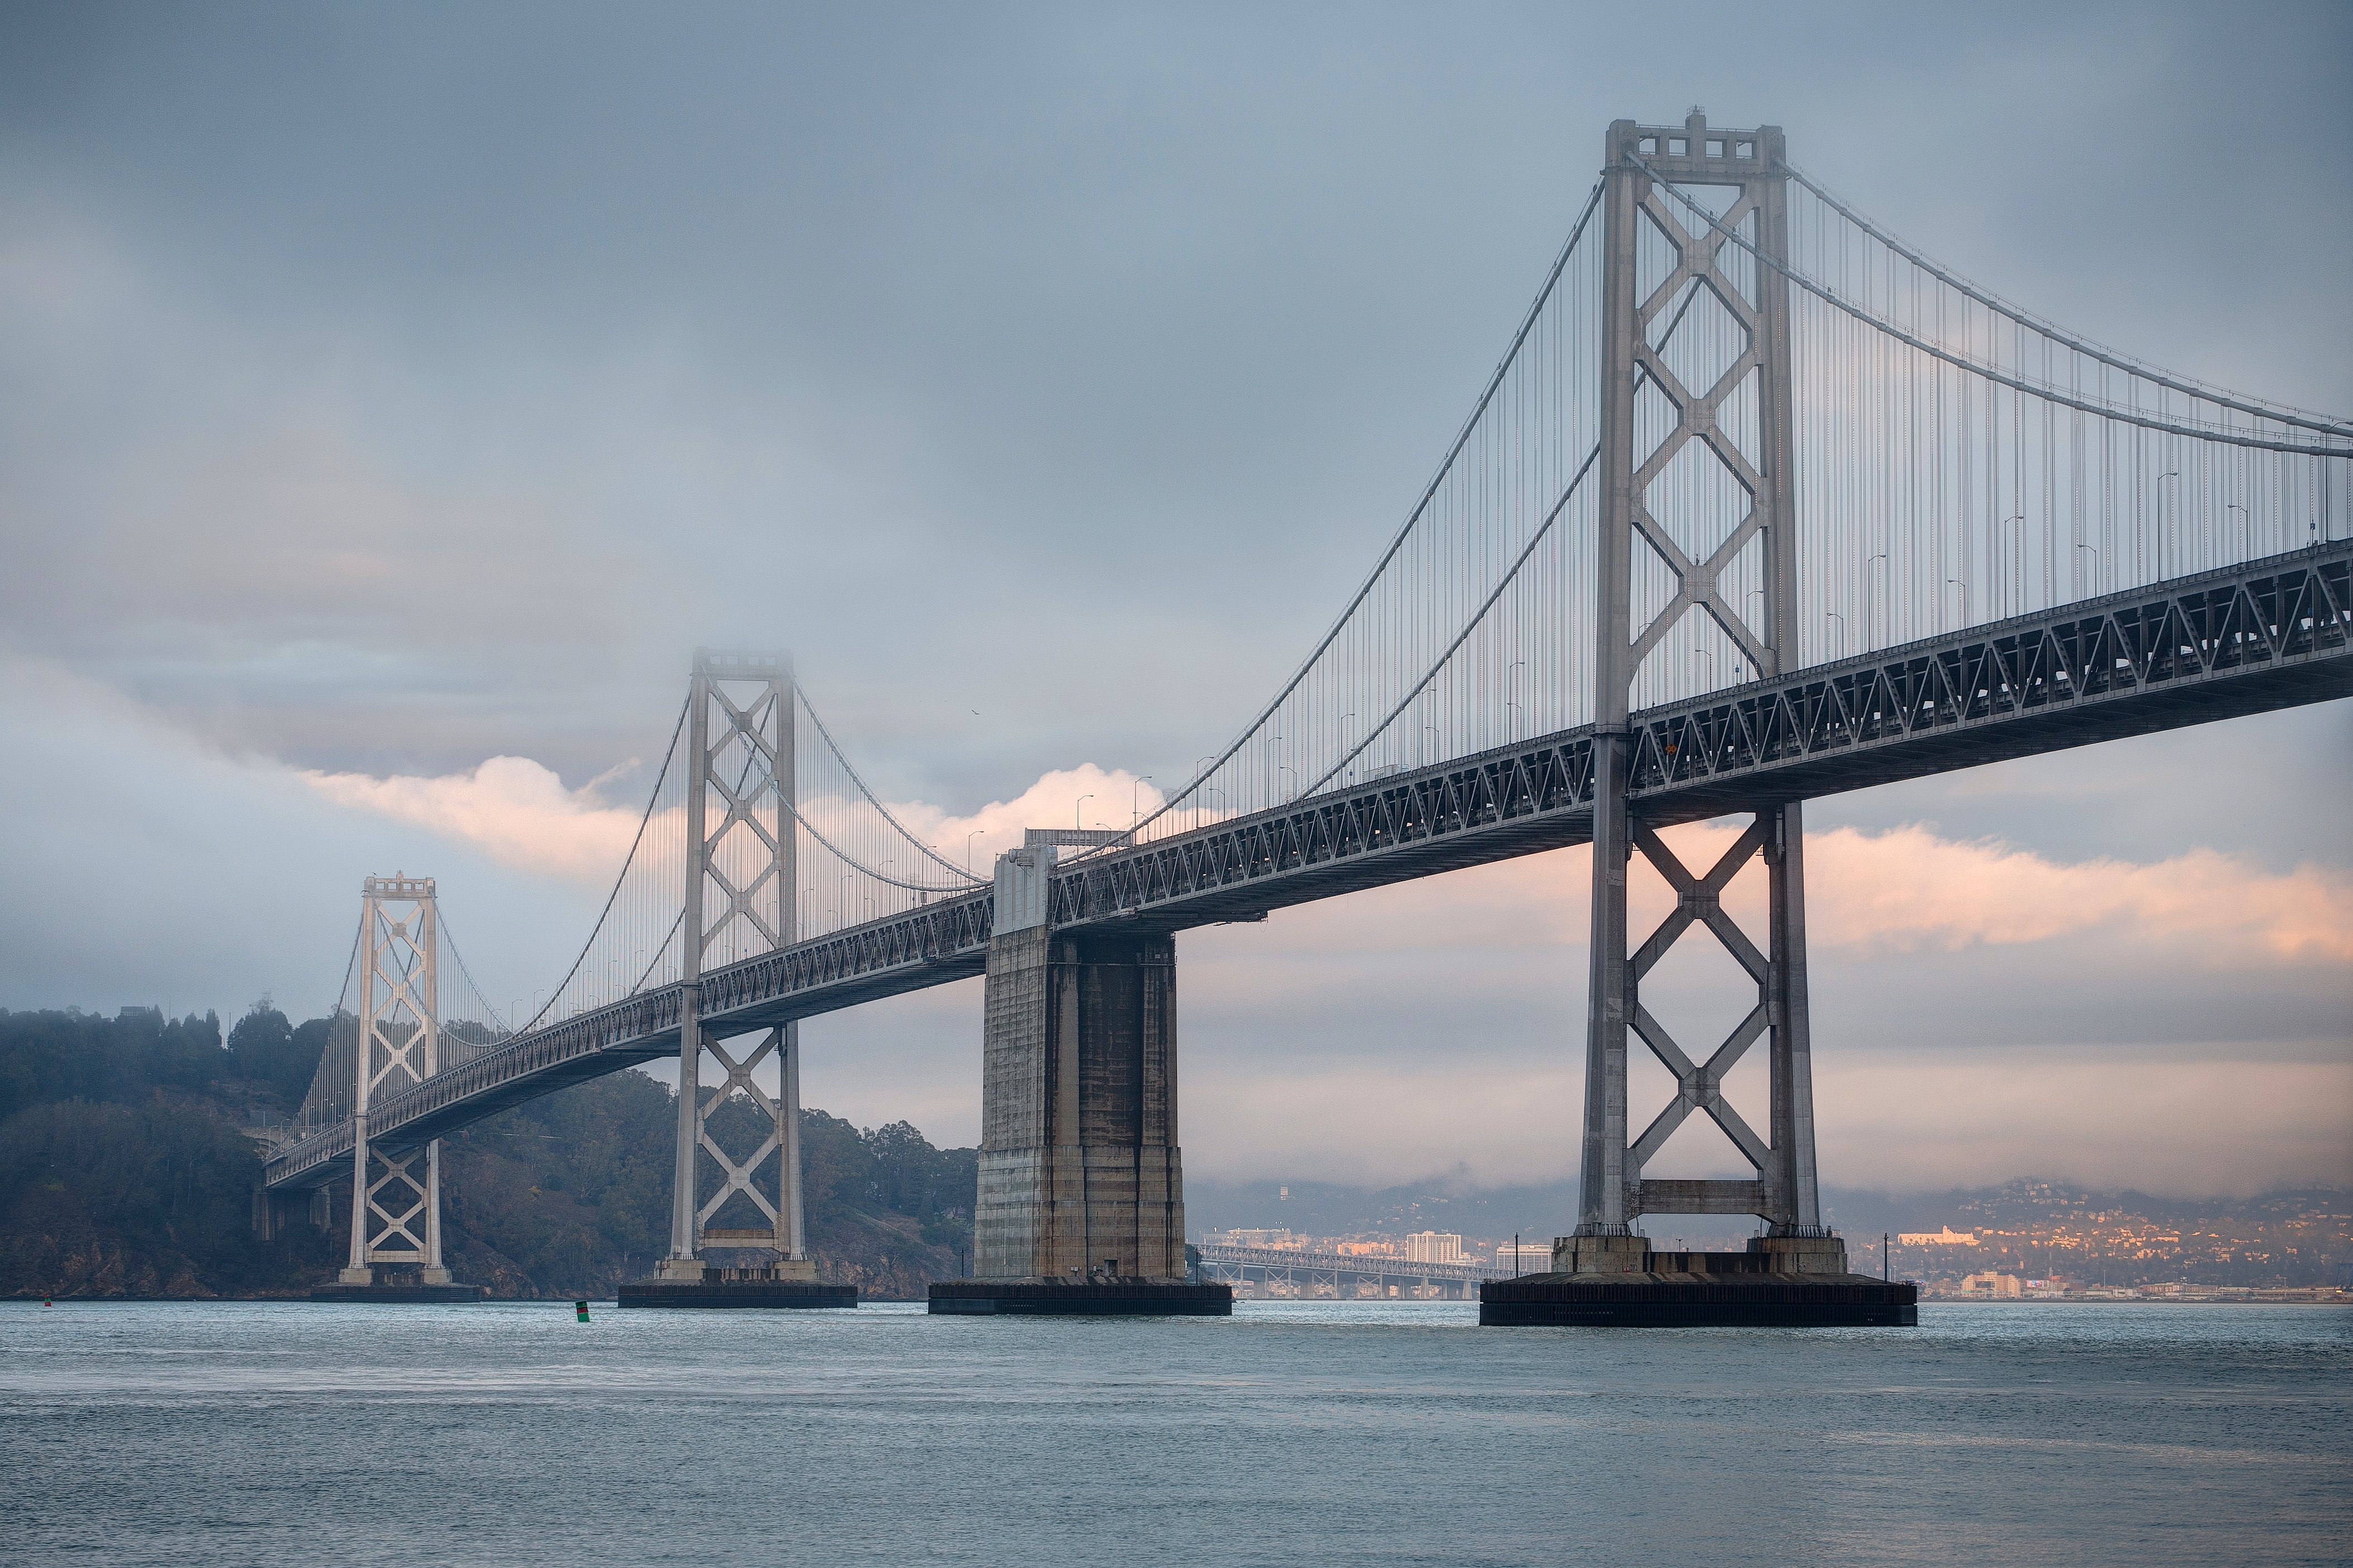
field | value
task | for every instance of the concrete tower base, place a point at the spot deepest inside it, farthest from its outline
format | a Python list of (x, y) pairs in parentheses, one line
[(1617, 1281), (784, 1285), (1095, 1297), (404, 1295)]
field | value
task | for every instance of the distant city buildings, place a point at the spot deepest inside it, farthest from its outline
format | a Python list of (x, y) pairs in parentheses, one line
[(1948, 1236), (1993, 1285), (1533, 1257), (1255, 1238), (1433, 1246)]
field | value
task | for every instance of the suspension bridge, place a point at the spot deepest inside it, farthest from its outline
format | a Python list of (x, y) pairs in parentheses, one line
[(1760, 504)]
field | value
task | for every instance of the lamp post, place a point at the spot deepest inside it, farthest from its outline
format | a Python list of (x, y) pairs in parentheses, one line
[(2162, 533)]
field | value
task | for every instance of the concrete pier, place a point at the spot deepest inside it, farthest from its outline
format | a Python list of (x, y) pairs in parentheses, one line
[(780, 1286), (1618, 1281), (396, 1293), (1081, 1178)]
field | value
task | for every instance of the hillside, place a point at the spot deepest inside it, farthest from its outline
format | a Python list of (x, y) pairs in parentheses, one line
[(123, 1173)]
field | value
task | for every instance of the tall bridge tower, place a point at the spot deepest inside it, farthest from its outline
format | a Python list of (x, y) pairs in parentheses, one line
[(395, 1208), (1697, 471), (741, 876)]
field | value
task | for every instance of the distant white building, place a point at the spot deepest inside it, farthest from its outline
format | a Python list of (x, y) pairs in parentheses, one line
[(1433, 1246), (1252, 1237), (1992, 1284), (1533, 1258), (1948, 1236)]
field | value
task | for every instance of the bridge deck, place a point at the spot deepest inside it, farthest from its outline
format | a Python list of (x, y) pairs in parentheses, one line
[(2267, 635)]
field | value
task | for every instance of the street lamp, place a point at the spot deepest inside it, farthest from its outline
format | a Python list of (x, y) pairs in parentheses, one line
[(1076, 807), (2174, 475), (1964, 587)]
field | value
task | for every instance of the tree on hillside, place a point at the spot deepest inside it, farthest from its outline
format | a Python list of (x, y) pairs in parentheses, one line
[(269, 1051)]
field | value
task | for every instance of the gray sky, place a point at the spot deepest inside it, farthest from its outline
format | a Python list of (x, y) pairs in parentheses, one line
[(384, 390)]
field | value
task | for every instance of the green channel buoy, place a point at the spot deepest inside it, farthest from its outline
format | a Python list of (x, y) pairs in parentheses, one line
[(582, 1308)]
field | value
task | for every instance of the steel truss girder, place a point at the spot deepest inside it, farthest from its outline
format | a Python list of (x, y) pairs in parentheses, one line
[(2284, 615), (2267, 634)]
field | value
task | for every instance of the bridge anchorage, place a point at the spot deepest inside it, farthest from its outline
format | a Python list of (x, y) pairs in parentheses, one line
[(1760, 505)]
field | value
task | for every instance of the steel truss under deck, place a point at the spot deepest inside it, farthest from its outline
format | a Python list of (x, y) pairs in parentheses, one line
[(2246, 639)]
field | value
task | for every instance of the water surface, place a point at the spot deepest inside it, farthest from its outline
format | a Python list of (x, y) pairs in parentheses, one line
[(265, 1432)]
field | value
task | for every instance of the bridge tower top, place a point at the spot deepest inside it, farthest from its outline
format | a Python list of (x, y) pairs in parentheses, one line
[(1695, 153)]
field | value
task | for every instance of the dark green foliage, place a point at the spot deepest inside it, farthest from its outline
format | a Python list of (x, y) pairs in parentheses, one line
[(73, 1055), (571, 1194), (566, 1194), (125, 1174), (271, 1054), (153, 1199)]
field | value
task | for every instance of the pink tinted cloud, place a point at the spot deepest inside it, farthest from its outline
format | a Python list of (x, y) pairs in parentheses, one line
[(511, 808), (1908, 889)]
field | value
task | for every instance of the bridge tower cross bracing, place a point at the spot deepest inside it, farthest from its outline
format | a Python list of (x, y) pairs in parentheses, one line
[(1747, 402), (740, 874), (399, 1045)]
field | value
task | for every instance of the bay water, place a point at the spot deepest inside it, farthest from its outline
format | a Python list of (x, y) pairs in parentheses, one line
[(1366, 1433)]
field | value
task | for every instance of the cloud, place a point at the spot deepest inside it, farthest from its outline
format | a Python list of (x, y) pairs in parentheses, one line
[(1083, 797), (1903, 890), (511, 808), (1908, 889)]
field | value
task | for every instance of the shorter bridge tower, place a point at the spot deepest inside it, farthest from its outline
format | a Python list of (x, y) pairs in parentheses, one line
[(396, 1204)]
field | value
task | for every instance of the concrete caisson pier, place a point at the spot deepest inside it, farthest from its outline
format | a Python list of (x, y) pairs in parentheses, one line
[(729, 1288), (1081, 1203), (1618, 1281), (395, 1293)]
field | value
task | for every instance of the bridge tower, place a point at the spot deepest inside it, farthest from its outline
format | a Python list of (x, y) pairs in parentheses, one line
[(1698, 479), (741, 873), (395, 1208)]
